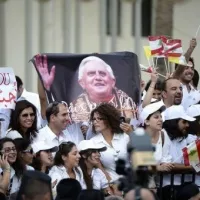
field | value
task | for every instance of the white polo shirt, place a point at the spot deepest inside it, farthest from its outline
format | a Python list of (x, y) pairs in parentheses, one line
[(114, 152), (47, 135)]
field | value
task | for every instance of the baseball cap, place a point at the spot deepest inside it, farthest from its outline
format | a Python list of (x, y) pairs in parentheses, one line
[(150, 109), (177, 112), (42, 145), (89, 144)]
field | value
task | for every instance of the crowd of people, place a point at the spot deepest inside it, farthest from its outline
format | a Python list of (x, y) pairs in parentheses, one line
[(46, 155)]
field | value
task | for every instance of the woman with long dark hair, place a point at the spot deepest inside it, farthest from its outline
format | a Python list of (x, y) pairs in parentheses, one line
[(23, 121), (66, 163), (43, 159), (8, 150), (90, 158)]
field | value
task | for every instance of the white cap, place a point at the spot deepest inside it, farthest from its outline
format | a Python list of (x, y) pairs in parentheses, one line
[(193, 110), (177, 112), (43, 145), (89, 144), (150, 109)]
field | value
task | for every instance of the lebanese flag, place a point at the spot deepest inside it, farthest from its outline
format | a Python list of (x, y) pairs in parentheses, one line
[(191, 155), (156, 45), (173, 48)]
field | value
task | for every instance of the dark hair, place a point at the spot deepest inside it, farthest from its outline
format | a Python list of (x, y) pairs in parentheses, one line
[(64, 149), (179, 69), (14, 119), (21, 144), (158, 85), (19, 82), (91, 195), (53, 109), (171, 127), (110, 115), (195, 78), (164, 83), (37, 164), (87, 178), (17, 165)]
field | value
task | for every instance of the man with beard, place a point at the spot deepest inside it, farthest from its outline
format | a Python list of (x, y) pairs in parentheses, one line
[(185, 75), (172, 92)]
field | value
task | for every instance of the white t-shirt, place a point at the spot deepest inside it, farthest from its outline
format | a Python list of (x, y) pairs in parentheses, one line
[(114, 152)]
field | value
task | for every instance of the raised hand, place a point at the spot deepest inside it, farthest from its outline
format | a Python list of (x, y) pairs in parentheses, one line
[(193, 43), (4, 163), (42, 67)]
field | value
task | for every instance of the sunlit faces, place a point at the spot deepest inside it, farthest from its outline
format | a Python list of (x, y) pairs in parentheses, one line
[(155, 122), (173, 94), (72, 159), (183, 126), (26, 118), (46, 158), (61, 120), (9, 150), (188, 73), (99, 123), (96, 80)]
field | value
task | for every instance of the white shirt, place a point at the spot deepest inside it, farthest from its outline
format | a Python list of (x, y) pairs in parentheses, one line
[(73, 133), (13, 134), (47, 135), (117, 150), (59, 172), (190, 97), (99, 179), (177, 157), (162, 152), (35, 100)]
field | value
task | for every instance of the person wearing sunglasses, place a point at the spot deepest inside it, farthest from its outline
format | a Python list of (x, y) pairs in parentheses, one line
[(25, 152), (23, 121), (8, 151), (43, 159), (90, 159)]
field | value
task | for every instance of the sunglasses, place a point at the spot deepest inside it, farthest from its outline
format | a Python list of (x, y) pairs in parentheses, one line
[(28, 151), (8, 150), (28, 114), (97, 119)]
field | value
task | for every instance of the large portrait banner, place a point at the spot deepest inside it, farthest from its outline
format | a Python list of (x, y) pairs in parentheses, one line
[(84, 81)]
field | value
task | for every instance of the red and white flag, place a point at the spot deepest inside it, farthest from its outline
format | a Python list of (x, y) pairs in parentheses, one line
[(191, 155), (173, 48), (156, 45)]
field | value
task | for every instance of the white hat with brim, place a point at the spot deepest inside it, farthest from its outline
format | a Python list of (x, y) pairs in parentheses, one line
[(150, 109), (85, 145), (43, 146), (177, 112)]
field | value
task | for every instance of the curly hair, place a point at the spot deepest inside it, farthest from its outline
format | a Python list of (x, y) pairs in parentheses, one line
[(110, 115), (15, 122)]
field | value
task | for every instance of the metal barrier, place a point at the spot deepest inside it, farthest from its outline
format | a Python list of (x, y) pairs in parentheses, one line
[(172, 174)]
